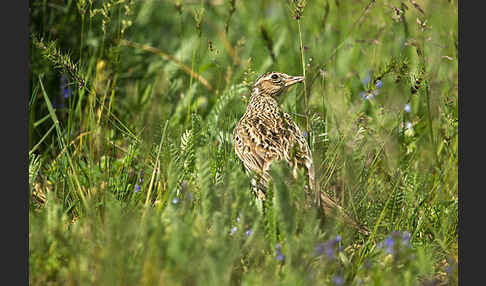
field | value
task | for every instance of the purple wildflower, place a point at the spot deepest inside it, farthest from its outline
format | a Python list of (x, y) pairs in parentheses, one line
[(137, 188), (328, 247), (407, 108), (278, 252), (448, 270), (248, 232), (233, 230), (389, 242), (320, 249), (408, 125), (329, 251), (368, 96), (55, 106), (406, 237), (367, 78), (65, 89), (379, 84), (184, 184), (67, 92), (175, 200), (338, 280)]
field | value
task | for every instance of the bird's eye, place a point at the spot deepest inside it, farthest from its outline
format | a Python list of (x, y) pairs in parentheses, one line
[(274, 76)]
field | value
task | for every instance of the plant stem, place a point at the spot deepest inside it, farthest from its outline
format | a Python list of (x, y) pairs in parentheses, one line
[(303, 73)]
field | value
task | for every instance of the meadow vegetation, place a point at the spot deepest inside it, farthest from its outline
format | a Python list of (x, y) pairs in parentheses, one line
[(132, 172)]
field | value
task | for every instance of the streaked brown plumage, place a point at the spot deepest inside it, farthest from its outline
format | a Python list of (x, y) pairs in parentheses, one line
[(266, 134)]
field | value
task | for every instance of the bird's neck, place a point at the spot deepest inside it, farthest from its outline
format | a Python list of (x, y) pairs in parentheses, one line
[(260, 102), (259, 96)]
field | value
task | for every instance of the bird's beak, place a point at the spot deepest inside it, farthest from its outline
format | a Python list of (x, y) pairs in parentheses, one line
[(291, 80)]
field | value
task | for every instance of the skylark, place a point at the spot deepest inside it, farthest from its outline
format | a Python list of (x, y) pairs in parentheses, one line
[(266, 134)]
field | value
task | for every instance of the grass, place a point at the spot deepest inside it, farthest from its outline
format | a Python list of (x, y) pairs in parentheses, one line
[(132, 172)]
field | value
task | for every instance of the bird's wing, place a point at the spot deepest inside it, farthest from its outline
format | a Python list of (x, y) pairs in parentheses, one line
[(243, 147), (256, 154), (297, 147)]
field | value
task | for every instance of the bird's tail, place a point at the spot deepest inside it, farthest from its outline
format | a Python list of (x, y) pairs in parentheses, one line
[(331, 208)]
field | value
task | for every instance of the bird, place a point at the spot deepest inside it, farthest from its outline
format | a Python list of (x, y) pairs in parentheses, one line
[(266, 134)]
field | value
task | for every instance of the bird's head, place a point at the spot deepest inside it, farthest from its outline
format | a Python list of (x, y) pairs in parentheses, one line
[(274, 83)]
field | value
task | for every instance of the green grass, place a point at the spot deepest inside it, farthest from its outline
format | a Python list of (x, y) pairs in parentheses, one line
[(133, 176)]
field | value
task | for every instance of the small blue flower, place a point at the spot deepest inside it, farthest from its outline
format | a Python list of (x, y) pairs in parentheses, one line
[(278, 252), (233, 230), (337, 240), (304, 133), (406, 237), (67, 92), (59, 106), (330, 252), (278, 249), (320, 249), (329, 247), (367, 78), (137, 188), (65, 89), (184, 184), (408, 125), (175, 200), (237, 219), (248, 232), (407, 108), (338, 280), (368, 96), (379, 84), (389, 242), (449, 270)]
